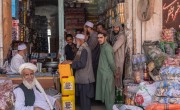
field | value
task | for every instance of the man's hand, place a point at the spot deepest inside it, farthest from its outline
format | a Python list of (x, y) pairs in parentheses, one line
[(38, 108), (67, 62), (117, 80), (58, 105)]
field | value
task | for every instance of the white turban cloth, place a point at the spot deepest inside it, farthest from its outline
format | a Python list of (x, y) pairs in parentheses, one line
[(22, 46), (27, 66), (80, 36), (90, 24)]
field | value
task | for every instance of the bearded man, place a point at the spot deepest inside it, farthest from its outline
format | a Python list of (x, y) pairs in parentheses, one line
[(117, 40), (84, 76), (30, 95), (93, 44)]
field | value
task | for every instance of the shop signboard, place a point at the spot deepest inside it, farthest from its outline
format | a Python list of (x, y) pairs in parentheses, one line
[(171, 14)]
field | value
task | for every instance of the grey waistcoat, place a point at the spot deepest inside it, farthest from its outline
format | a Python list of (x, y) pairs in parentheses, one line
[(85, 75)]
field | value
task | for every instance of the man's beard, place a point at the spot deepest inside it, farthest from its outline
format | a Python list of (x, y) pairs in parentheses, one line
[(29, 85), (78, 45), (88, 33), (115, 33)]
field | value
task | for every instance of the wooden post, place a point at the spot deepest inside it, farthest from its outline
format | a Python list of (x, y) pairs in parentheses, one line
[(1, 35), (61, 29), (7, 27)]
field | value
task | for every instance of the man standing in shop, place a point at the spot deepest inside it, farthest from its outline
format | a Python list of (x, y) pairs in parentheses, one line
[(92, 42), (105, 88), (70, 48), (84, 76), (118, 41), (100, 28), (19, 58)]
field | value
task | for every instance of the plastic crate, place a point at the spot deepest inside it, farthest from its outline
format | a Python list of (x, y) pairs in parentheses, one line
[(68, 85), (68, 102)]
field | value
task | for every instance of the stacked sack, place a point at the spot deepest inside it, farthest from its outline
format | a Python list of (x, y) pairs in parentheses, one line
[(168, 91), (67, 87), (6, 94)]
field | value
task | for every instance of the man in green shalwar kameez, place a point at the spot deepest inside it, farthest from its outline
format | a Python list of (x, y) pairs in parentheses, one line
[(105, 87)]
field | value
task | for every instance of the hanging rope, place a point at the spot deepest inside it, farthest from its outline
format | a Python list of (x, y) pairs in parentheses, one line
[(145, 9)]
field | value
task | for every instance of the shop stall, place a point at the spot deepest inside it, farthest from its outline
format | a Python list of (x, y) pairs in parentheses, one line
[(152, 64)]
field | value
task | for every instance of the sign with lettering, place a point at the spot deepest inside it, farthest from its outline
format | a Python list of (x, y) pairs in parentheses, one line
[(171, 14)]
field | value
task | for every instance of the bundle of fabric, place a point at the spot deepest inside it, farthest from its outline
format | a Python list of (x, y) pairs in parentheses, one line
[(168, 89), (169, 73), (167, 100), (6, 94)]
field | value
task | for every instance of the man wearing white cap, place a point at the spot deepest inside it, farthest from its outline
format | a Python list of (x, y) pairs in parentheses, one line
[(18, 59), (93, 44), (84, 76), (30, 95)]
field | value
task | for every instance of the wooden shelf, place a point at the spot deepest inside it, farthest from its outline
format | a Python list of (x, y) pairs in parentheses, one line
[(74, 19)]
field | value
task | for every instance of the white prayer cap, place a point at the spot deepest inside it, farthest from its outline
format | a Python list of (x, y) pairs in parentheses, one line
[(22, 46), (80, 36), (90, 24), (30, 66)]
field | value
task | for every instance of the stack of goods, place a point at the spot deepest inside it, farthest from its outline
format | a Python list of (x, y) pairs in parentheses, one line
[(168, 73), (157, 56), (167, 41), (40, 24), (130, 93), (6, 94), (154, 54), (168, 90), (138, 61), (67, 87), (137, 96)]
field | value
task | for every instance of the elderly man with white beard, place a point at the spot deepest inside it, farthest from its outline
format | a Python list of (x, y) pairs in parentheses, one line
[(30, 95)]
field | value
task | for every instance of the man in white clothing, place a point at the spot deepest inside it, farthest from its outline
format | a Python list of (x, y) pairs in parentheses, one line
[(18, 59), (30, 95)]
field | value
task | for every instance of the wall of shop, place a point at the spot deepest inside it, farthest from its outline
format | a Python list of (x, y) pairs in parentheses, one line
[(149, 30), (7, 27)]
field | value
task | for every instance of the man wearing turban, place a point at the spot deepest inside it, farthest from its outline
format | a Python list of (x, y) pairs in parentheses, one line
[(19, 58), (30, 95), (84, 76)]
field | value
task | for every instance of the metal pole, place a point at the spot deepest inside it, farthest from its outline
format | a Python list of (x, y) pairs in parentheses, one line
[(61, 29)]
